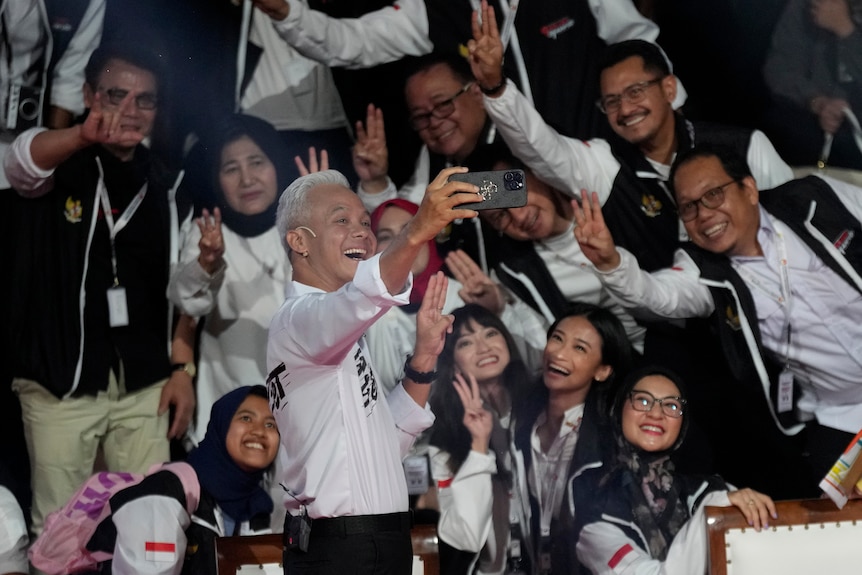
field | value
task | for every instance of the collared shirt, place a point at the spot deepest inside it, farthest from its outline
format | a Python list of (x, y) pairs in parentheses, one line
[(825, 348), (342, 441), (547, 475)]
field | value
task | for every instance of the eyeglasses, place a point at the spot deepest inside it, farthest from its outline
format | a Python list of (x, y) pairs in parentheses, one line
[(441, 110), (644, 401), (710, 199), (145, 101), (611, 103)]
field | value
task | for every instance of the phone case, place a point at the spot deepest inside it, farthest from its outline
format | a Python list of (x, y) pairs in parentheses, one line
[(499, 188)]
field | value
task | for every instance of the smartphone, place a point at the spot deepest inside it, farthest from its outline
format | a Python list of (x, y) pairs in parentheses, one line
[(499, 189)]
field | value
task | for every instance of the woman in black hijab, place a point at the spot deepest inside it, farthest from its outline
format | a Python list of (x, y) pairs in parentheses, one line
[(643, 511)]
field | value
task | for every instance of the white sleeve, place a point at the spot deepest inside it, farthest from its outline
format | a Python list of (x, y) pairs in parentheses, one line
[(669, 293), (28, 179), (618, 20), (413, 190), (410, 418), (343, 315), (372, 201), (69, 72), (192, 289), (151, 536), (381, 36), (466, 499), (13, 535), (605, 550), (850, 195), (566, 164), (767, 167)]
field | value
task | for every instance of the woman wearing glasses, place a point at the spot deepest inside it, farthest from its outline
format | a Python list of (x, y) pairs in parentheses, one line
[(645, 517)]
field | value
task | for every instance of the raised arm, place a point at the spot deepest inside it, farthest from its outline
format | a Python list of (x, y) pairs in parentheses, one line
[(566, 164), (381, 36), (438, 209), (51, 148), (431, 329), (66, 101), (669, 293), (195, 283)]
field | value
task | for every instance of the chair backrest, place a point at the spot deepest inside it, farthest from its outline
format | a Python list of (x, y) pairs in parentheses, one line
[(809, 536), (234, 552)]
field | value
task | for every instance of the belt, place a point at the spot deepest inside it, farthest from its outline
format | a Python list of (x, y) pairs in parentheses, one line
[(356, 524)]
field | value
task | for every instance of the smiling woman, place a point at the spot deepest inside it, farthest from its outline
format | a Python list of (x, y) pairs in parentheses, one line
[(511, 448), (233, 269), (644, 515)]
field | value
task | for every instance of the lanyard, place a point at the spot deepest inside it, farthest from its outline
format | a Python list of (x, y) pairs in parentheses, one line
[(785, 297), (116, 227), (554, 482)]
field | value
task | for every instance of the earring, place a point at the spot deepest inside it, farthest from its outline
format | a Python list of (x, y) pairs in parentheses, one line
[(305, 254)]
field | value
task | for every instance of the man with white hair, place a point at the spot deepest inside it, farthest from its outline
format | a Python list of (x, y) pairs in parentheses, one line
[(342, 443)]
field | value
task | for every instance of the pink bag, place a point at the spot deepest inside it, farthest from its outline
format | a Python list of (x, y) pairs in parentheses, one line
[(62, 546)]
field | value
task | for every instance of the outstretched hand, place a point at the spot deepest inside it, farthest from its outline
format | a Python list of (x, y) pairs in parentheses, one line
[(370, 154), (478, 420), (755, 506), (313, 164), (478, 287), (592, 234), (432, 324), (486, 48), (104, 124), (211, 244)]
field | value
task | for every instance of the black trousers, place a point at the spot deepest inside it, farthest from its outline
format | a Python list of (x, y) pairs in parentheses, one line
[(368, 552)]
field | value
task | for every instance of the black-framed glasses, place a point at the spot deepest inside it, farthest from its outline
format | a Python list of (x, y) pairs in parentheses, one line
[(440, 110), (644, 400), (710, 199), (145, 101), (611, 103)]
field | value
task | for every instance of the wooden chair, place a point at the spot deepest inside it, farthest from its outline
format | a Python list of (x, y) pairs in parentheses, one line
[(234, 552), (810, 536)]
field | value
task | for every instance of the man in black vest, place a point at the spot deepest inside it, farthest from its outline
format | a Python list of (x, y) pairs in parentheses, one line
[(778, 272), (90, 318)]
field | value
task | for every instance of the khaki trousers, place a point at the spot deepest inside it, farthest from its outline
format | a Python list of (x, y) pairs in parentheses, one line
[(63, 437)]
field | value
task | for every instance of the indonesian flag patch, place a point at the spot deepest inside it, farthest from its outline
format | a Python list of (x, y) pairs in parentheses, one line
[(622, 558), (159, 551)]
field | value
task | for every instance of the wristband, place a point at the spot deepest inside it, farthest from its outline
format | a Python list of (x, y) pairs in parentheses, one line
[(418, 376), (493, 90)]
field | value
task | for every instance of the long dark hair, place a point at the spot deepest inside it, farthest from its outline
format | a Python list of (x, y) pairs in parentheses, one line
[(616, 349), (449, 432)]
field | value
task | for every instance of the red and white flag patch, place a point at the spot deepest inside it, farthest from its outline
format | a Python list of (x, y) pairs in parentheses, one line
[(160, 551), (621, 558)]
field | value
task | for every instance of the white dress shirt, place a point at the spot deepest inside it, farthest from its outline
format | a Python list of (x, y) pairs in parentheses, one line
[(343, 440)]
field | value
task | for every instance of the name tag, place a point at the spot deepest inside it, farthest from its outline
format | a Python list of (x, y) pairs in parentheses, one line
[(785, 391), (118, 311), (416, 472)]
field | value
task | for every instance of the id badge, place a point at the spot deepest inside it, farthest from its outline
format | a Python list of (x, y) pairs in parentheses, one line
[(785, 391), (118, 311), (416, 472)]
